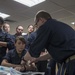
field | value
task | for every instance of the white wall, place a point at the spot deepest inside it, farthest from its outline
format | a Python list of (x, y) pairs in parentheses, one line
[(23, 23)]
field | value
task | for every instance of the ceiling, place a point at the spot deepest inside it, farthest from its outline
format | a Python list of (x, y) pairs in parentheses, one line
[(63, 10)]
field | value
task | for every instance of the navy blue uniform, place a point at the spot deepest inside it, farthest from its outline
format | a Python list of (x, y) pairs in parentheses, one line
[(57, 37), (29, 39), (5, 37), (13, 57)]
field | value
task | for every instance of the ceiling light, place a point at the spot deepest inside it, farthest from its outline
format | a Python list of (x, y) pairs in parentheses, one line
[(72, 23), (30, 3), (3, 15)]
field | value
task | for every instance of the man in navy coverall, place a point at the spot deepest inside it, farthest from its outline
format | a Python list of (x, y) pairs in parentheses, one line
[(59, 40), (5, 41)]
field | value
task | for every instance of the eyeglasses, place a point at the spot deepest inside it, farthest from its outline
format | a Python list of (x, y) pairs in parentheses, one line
[(36, 21)]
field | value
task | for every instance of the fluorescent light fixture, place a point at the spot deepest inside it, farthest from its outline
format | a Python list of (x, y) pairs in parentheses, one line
[(72, 23), (30, 3), (3, 15)]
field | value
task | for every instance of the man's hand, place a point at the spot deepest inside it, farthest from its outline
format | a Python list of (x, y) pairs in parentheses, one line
[(34, 60), (30, 66), (20, 68), (27, 65)]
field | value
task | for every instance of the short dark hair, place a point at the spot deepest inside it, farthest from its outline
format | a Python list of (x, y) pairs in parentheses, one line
[(29, 26), (1, 21), (43, 14), (21, 38), (18, 26)]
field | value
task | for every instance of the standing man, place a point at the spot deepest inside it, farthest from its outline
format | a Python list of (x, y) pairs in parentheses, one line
[(5, 41), (19, 31), (59, 40), (6, 28)]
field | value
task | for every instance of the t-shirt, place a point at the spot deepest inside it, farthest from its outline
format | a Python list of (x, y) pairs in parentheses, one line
[(13, 57)]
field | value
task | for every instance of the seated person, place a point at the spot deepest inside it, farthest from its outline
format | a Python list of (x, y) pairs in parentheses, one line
[(13, 57)]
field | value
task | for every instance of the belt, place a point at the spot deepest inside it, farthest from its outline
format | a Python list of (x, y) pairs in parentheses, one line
[(62, 67), (70, 58)]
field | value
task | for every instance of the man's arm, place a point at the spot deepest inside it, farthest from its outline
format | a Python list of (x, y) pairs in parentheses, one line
[(3, 44), (6, 63), (28, 56), (46, 56), (41, 58)]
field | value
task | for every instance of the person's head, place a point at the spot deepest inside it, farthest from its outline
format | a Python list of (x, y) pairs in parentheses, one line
[(1, 22), (20, 44), (41, 17), (19, 30), (30, 28), (6, 27)]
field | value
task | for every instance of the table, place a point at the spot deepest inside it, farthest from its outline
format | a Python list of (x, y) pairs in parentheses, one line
[(11, 71)]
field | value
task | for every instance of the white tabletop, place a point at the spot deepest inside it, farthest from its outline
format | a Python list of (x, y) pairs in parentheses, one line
[(11, 71)]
